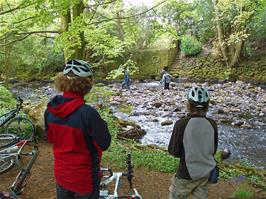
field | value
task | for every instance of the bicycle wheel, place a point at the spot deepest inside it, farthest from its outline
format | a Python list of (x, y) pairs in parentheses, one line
[(7, 140), (6, 164), (22, 127)]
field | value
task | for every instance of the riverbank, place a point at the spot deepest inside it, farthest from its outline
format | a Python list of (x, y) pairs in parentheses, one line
[(152, 159)]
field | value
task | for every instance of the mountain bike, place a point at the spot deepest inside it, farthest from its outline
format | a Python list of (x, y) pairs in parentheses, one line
[(16, 126), (116, 177), (22, 178)]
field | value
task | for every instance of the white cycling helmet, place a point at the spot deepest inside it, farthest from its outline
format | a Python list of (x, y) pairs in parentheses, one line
[(78, 67), (198, 95)]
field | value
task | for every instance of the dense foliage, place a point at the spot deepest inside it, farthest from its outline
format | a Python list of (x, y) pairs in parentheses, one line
[(6, 100), (190, 46), (39, 35)]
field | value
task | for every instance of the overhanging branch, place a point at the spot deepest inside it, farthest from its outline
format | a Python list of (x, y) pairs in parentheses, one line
[(20, 6), (39, 32), (101, 4), (16, 40), (127, 17), (27, 34)]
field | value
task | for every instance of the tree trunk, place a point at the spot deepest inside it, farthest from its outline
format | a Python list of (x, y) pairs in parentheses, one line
[(79, 50), (237, 53), (65, 21), (220, 34)]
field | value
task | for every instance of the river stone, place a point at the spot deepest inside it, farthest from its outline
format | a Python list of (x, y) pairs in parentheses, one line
[(157, 104), (177, 109), (220, 111), (134, 133), (262, 114), (166, 122), (238, 123), (36, 114)]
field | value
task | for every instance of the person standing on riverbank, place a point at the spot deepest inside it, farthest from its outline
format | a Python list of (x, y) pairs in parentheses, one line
[(166, 80), (78, 133), (126, 81), (194, 140)]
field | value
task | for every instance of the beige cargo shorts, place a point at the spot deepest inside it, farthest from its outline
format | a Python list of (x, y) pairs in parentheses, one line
[(185, 189)]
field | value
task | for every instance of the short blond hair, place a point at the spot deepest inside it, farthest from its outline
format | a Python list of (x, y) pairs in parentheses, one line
[(72, 83)]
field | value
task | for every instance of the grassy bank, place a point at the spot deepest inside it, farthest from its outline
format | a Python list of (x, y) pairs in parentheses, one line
[(150, 157), (155, 158)]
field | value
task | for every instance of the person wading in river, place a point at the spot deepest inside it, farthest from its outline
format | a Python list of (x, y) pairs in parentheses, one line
[(194, 140), (78, 134), (166, 80), (126, 81)]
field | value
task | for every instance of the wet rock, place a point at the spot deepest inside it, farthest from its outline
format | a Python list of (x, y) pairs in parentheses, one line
[(177, 109), (262, 114), (220, 111), (166, 122), (36, 114), (135, 133), (157, 104), (155, 120), (258, 123), (238, 123), (247, 125), (135, 113)]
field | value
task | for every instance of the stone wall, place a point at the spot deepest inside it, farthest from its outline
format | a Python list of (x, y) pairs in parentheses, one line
[(151, 61)]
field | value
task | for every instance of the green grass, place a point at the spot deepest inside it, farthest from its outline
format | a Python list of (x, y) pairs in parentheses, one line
[(153, 159), (125, 108), (242, 192)]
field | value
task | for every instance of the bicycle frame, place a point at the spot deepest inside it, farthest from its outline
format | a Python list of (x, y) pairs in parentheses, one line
[(116, 177), (11, 114), (14, 152), (23, 176)]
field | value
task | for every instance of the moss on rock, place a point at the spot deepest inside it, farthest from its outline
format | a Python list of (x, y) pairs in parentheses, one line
[(208, 68)]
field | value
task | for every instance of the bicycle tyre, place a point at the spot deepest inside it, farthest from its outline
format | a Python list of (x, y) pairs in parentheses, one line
[(22, 127), (6, 165), (7, 140)]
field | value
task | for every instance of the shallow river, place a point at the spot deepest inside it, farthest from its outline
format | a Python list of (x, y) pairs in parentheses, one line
[(239, 108)]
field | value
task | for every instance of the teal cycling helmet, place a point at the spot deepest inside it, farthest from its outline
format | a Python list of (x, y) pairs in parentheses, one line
[(199, 95), (78, 67)]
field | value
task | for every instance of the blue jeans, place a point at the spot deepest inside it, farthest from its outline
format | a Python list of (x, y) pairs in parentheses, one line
[(62, 193)]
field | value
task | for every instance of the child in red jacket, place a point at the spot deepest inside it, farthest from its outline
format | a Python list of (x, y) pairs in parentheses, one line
[(78, 134)]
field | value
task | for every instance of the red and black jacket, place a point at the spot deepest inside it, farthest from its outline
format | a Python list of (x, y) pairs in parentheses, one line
[(79, 135)]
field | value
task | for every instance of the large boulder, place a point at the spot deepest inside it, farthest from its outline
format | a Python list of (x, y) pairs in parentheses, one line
[(36, 113), (134, 133)]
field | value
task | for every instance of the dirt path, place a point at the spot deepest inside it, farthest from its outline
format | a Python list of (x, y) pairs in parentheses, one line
[(151, 185)]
